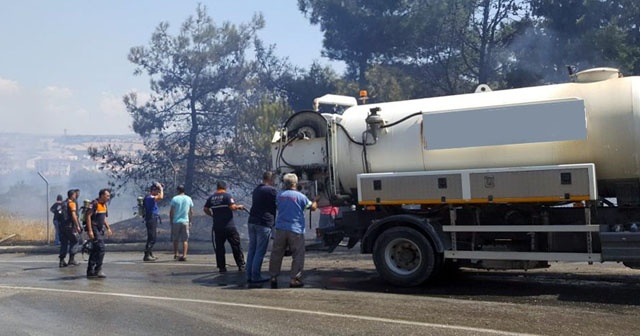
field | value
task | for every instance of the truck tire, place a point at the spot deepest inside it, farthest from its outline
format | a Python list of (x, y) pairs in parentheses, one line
[(404, 257)]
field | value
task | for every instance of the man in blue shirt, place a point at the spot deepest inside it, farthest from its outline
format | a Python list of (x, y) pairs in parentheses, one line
[(181, 213), (290, 231), (261, 220), (151, 218), (220, 207)]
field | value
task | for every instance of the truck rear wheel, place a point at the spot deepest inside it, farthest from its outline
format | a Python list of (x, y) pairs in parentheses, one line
[(404, 257)]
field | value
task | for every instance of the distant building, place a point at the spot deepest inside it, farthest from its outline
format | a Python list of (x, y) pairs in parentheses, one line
[(57, 155), (53, 167)]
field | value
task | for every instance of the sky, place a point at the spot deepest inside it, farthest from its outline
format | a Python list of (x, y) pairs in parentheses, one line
[(64, 67)]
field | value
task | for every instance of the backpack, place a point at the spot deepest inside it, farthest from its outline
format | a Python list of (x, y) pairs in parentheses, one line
[(85, 216), (141, 208), (58, 211), (65, 217)]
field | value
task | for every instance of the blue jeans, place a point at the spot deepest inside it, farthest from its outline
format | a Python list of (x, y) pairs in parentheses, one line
[(56, 225), (258, 242)]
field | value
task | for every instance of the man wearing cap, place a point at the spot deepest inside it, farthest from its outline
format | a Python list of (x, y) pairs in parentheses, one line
[(180, 214), (152, 218), (220, 207)]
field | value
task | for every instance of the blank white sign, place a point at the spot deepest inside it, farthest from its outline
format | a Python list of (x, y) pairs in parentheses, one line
[(558, 120)]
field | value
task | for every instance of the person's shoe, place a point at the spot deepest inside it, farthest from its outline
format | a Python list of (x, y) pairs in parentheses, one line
[(183, 258), (223, 270), (274, 282), (62, 263), (91, 275), (147, 257), (101, 275), (296, 283), (154, 258), (72, 261), (175, 257), (241, 268)]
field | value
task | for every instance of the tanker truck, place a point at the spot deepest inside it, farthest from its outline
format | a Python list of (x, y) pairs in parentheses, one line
[(504, 179)]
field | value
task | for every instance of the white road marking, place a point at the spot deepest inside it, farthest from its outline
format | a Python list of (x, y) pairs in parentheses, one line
[(288, 310), (54, 263)]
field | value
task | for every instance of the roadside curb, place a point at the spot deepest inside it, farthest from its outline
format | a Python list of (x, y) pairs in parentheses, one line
[(196, 247)]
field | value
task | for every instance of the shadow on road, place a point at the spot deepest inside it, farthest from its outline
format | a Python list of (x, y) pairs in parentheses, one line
[(547, 287)]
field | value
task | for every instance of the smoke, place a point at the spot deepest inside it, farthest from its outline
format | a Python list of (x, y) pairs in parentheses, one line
[(544, 55)]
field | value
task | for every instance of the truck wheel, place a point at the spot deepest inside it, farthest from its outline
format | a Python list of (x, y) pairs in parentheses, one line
[(404, 257)]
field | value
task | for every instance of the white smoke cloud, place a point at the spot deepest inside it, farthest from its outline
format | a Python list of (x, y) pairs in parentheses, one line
[(57, 109), (8, 87)]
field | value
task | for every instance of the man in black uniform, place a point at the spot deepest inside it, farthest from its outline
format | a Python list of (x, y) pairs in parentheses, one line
[(58, 217), (69, 227), (220, 207), (96, 223)]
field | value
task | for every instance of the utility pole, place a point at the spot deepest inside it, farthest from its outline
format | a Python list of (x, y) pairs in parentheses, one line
[(46, 206)]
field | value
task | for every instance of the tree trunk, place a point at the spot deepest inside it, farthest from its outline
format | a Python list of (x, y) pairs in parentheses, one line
[(191, 154)]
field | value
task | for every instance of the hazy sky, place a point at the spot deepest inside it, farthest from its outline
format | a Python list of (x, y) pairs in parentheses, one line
[(63, 63)]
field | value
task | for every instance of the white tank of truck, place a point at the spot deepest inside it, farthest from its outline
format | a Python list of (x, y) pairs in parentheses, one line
[(594, 119)]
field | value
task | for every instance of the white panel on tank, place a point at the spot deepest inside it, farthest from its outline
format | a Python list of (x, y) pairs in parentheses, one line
[(555, 120)]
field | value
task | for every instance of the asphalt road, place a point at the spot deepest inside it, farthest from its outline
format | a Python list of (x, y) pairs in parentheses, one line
[(343, 296)]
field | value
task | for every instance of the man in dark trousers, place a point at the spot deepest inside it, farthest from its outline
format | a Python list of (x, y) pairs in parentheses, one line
[(152, 218), (58, 216), (261, 219), (220, 207), (69, 227), (290, 231), (96, 217)]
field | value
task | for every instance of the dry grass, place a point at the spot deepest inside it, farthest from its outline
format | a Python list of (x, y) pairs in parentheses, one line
[(24, 230), (132, 230)]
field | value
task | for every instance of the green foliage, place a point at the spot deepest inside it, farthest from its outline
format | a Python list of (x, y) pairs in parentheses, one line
[(585, 34), (363, 32), (301, 88), (199, 81), (390, 83), (251, 145), (444, 46)]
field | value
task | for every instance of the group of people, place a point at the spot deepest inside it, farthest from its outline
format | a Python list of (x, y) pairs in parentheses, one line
[(280, 214), (93, 217)]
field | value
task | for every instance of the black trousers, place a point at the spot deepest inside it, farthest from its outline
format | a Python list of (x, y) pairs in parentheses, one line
[(219, 237), (67, 240), (152, 232), (97, 253)]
